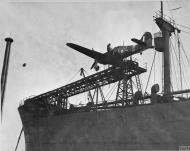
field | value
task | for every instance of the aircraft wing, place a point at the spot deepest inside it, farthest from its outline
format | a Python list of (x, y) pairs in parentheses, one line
[(91, 53)]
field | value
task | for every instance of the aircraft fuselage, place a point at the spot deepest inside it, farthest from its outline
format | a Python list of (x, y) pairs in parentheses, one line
[(117, 55)]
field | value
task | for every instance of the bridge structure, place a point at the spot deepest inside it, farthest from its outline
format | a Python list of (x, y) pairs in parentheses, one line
[(59, 96)]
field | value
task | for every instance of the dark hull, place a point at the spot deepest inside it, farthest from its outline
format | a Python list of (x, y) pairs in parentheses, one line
[(158, 126)]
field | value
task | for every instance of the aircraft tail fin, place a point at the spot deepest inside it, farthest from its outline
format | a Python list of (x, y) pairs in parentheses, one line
[(146, 40)]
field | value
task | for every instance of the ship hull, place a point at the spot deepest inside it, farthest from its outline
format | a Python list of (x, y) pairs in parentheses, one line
[(148, 127)]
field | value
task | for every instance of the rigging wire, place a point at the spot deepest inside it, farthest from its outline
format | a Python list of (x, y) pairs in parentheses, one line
[(183, 76), (179, 52), (89, 94), (183, 26), (176, 23), (175, 72), (154, 71), (163, 72), (160, 67), (111, 91), (188, 60), (185, 32), (170, 10), (86, 72), (150, 71), (175, 55), (182, 58), (170, 73), (185, 6), (182, 62), (18, 139)]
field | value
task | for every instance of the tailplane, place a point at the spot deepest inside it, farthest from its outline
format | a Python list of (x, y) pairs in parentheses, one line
[(146, 40)]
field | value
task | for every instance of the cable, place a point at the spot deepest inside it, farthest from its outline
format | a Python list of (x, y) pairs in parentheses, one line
[(160, 67), (18, 139), (185, 6), (175, 56), (174, 70), (185, 32), (180, 71), (182, 62), (188, 60), (176, 23), (86, 72), (111, 90), (150, 71), (170, 10), (183, 26), (154, 71)]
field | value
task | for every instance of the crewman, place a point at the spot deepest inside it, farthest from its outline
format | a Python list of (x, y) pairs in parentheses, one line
[(109, 47)]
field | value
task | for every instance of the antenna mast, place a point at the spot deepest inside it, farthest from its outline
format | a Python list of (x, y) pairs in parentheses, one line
[(161, 9), (5, 70), (166, 26)]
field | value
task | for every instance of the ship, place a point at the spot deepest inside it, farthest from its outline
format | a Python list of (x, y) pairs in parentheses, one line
[(133, 121)]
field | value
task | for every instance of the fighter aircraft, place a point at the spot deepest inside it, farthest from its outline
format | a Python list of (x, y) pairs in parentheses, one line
[(117, 55)]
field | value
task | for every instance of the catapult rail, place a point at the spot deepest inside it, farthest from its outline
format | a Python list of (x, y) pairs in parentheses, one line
[(108, 76)]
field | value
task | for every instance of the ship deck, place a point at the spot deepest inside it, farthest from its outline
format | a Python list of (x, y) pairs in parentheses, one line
[(159, 126)]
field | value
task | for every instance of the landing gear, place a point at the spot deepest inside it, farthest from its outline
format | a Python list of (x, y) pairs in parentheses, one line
[(97, 68)]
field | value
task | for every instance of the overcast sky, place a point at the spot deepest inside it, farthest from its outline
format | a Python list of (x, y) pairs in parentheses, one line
[(41, 30)]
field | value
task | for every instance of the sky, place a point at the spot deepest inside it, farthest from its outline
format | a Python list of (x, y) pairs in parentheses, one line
[(40, 31)]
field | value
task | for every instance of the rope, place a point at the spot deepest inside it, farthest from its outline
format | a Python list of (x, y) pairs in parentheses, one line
[(150, 70)]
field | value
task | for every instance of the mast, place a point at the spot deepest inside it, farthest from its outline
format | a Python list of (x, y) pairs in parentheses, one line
[(161, 9), (166, 28), (5, 70)]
